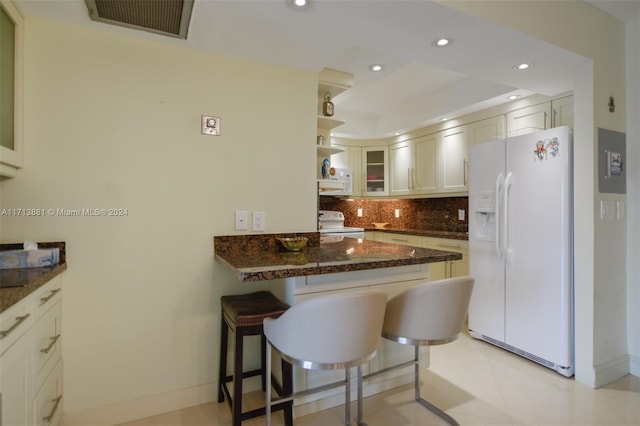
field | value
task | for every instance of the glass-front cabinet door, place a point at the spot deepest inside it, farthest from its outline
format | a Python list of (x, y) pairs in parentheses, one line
[(376, 171), (11, 51)]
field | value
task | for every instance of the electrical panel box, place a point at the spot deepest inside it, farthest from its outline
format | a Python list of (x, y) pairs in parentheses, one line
[(612, 177)]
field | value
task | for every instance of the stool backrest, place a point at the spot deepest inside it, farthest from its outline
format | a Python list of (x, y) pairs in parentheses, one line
[(428, 314), (329, 332)]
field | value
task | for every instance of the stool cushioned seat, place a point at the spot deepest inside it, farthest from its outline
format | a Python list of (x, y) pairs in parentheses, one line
[(244, 315), (246, 310), (328, 332)]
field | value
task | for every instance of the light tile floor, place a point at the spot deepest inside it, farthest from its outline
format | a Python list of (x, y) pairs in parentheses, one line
[(476, 383)]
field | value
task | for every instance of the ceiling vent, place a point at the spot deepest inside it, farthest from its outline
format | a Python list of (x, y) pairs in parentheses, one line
[(166, 17)]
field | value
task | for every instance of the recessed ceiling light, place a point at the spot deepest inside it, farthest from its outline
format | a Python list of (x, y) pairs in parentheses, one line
[(299, 4), (444, 118), (441, 42), (376, 67), (397, 133), (523, 66), (513, 97)]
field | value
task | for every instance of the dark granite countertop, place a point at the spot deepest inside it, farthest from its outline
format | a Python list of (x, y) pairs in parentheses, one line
[(260, 257), (436, 234), (16, 284)]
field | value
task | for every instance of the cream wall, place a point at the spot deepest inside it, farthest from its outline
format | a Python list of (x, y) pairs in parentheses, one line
[(114, 122), (601, 288)]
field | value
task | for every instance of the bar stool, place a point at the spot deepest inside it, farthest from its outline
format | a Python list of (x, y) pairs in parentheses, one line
[(432, 313), (244, 314), (331, 332)]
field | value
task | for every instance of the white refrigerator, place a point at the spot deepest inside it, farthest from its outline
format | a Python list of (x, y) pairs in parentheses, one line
[(520, 246)]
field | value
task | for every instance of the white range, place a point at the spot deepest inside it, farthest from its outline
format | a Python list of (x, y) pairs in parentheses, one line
[(331, 224)]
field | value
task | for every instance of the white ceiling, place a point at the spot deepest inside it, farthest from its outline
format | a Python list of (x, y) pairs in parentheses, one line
[(420, 83)]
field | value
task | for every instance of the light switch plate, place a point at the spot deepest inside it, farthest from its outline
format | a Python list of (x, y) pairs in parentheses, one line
[(259, 219), (607, 210)]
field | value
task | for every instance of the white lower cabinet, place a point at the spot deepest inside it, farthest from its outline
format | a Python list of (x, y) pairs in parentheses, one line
[(47, 403), (404, 239), (452, 268), (439, 270), (30, 359), (13, 384)]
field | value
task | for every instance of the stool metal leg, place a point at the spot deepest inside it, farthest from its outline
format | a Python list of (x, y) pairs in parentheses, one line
[(360, 416), (268, 390), (429, 406), (347, 402)]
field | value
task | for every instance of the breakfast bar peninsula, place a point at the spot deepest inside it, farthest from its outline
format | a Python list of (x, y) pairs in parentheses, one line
[(328, 265)]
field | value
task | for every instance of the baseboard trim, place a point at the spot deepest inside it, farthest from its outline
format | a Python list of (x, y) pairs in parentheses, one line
[(143, 407), (634, 363), (608, 372), (154, 405)]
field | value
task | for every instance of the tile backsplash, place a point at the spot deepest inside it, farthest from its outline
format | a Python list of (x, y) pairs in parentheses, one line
[(428, 214)]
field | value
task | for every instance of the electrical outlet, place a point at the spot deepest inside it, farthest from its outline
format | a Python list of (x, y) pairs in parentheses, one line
[(242, 220), (259, 221), (359, 212), (397, 212), (461, 214), (607, 209)]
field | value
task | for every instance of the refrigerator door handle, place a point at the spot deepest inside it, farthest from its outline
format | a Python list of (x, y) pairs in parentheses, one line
[(505, 215), (498, 206)]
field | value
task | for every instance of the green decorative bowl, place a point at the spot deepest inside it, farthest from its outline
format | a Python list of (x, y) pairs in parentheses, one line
[(293, 243)]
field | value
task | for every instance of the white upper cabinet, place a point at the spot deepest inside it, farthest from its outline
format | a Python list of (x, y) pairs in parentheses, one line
[(11, 77), (414, 166), (427, 165), (431, 164), (562, 110), (487, 130), (529, 119), (401, 157), (376, 171), (454, 149), (555, 113), (437, 164)]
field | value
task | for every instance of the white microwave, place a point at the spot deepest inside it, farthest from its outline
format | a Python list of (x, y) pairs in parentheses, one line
[(341, 175)]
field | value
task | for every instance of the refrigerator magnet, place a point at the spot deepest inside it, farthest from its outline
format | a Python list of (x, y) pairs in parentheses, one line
[(540, 153)]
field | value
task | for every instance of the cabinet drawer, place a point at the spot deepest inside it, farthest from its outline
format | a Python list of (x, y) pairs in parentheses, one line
[(460, 246), (46, 296), (405, 239), (46, 344), (47, 404), (14, 322)]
